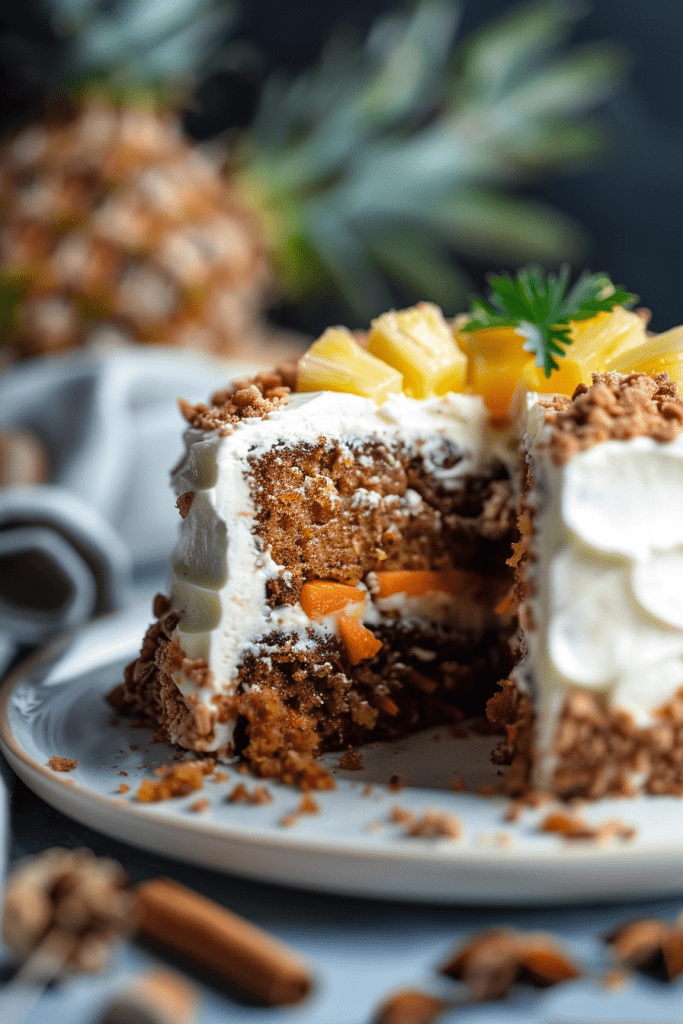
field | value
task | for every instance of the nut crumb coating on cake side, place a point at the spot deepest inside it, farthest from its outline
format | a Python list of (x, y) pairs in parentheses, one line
[(580, 720)]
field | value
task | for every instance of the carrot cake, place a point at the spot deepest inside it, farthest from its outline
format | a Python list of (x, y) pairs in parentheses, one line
[(350, 527)]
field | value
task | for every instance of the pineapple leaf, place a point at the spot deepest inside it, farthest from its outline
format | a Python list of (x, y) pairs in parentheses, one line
[(407, 135)]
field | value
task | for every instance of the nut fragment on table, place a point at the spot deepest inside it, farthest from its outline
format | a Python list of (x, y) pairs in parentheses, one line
[(649, 945), (494, 960), (69, 895), (410, 1006), (155, 997)]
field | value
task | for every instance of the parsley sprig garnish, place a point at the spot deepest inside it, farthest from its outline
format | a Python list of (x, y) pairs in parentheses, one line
[(539, 307)]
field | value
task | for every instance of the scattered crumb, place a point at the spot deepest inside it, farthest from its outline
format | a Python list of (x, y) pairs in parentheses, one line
[(174, 780), (261, 795), (243, 768), (395, 784), (435, 825), (307, 805), (436, 737), (219, 776), (123, 773), (514, 811), (133, 746), (351, 761), (287, 820), (374, 826), (409, 1007), (123, 788), (367, 790), (114, 722), (458, 784), (62, 764), (503, 839), (574, 828), (488, 790), (401, 816), (239, 795), (199, 805)]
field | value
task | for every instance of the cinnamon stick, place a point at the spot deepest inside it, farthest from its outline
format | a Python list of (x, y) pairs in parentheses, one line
[(219, 940)]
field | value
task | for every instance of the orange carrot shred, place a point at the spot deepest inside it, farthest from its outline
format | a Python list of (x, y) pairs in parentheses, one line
[(415, 582), (323, 597), (359, 641)]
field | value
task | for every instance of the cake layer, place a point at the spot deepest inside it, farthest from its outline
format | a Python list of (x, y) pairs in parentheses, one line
[(332, 488), (602, 609)]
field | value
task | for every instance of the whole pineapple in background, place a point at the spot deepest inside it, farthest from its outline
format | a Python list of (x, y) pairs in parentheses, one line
[(365, 175), (374, 171), (114, 225)]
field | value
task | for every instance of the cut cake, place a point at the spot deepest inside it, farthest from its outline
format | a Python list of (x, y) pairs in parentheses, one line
[(344, 572)]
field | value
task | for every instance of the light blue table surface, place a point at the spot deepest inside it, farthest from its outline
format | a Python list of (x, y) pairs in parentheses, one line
[(360, 950)]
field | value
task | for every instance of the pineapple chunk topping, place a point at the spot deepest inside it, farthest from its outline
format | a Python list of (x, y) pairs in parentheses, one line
[(336, 362), (420, 344)]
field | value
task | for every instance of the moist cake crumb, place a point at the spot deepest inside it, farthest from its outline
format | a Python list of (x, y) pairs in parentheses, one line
[(307, 805), (401, 816), (62, 764), (174, 780), (351, 761)]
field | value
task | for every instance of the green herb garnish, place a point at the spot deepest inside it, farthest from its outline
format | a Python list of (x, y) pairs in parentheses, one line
[(536, 306)]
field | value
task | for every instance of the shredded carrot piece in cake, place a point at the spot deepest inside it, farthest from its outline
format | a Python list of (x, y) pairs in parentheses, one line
[(322, 597), (415, 582), (360, 642)]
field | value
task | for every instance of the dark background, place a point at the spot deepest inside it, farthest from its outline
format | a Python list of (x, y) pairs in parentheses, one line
[(632, 202)]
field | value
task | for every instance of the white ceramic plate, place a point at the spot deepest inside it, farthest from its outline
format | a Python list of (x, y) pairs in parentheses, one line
[(54, 705)]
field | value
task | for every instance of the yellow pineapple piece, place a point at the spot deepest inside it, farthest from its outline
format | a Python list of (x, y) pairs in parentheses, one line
[(596, 344), (336, 362), (420, 343), (660, 354)]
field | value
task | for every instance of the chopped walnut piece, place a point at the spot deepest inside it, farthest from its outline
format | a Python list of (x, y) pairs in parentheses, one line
[(492, 961), (649, 945), (307, 805), (435, 825), (401, 816), (410, 1007), (67, 901), (62, 764)]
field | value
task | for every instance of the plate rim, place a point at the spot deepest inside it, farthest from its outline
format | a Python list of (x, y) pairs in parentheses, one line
[(70, 794)]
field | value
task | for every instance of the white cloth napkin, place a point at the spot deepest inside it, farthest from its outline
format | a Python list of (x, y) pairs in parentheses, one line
[(111, 427)]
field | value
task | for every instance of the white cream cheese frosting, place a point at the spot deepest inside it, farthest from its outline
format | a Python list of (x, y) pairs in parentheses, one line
[(606, 612), (219, 570)]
